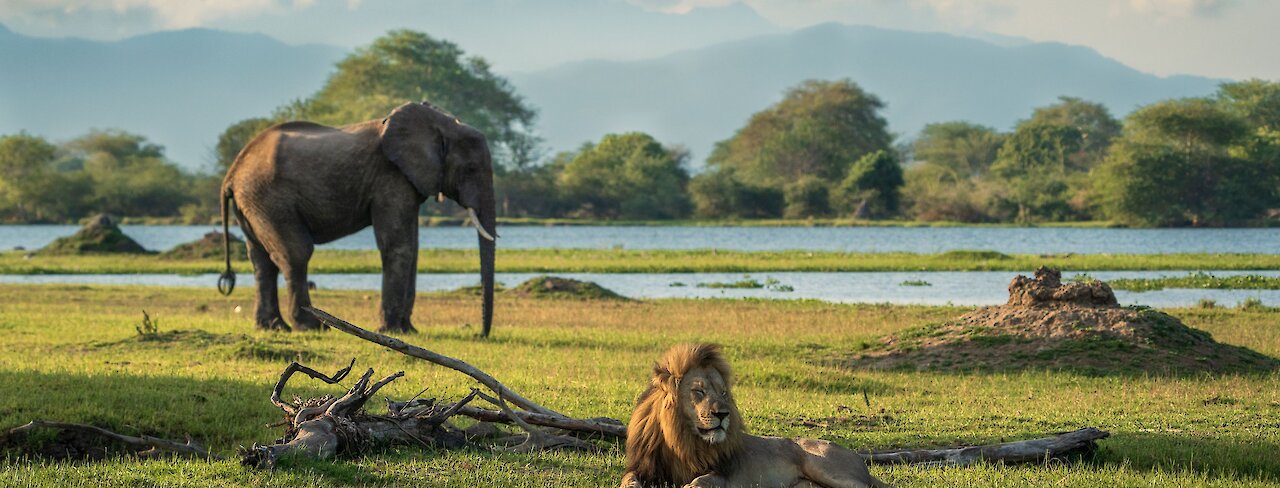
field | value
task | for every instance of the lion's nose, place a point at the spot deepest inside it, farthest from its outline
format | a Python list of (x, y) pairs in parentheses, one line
[(722, 415)]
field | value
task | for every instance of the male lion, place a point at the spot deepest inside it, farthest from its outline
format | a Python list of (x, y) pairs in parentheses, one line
[(686, 431)]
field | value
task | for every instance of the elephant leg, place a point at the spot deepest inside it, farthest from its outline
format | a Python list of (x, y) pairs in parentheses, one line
[(266, 313), (291, 254), (397, 235)]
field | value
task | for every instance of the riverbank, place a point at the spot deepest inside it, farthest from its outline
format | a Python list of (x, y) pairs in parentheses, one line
[(446, 221), (657, 261)]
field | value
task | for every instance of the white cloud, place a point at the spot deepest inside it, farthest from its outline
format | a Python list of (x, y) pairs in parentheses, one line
[(1180, 8), (679, 6), (165, 14)]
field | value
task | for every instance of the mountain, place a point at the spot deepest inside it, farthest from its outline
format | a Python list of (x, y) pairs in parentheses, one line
[(178, 88), (701, 96)]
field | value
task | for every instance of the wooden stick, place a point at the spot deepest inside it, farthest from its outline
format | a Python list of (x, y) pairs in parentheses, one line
[(1028, 451), (155, 446), (440, 359)]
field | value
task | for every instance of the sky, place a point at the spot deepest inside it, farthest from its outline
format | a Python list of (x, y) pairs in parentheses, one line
[(1214, 38)]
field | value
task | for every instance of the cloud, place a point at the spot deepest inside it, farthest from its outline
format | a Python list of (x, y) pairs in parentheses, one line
[(165, 14), (1181, 8), (679, 6)]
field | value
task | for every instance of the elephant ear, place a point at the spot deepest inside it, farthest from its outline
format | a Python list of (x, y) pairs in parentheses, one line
[(411, 140)]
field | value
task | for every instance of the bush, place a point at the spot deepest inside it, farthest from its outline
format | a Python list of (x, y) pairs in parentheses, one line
[(806, 197)]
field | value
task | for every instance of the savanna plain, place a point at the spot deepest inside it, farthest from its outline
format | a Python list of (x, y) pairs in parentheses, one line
[(73, 353)]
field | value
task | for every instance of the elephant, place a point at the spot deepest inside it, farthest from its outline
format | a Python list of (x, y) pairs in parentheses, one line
[(298, 184)]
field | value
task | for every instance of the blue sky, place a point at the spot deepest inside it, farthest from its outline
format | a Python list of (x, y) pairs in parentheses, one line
[(1217, 38)]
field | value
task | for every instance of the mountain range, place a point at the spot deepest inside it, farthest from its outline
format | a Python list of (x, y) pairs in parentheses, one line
[(182, 88)]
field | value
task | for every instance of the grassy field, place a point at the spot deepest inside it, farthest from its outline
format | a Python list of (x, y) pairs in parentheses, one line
[(72, 353), (657, 261)]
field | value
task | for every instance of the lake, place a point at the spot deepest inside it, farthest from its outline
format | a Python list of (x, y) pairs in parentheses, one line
[(955, 288), (1010, 240)]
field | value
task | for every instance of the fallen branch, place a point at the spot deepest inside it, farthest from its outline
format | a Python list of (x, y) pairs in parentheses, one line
[(1060, 447), (409, 349), (145, 446)]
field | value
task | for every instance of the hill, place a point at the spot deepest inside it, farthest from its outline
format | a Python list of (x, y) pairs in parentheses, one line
[(178, 88), (701, 96)]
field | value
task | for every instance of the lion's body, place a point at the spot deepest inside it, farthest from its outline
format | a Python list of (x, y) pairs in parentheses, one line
[(686, 432)]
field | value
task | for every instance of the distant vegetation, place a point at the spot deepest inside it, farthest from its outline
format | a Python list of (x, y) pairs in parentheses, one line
[(824, 151)]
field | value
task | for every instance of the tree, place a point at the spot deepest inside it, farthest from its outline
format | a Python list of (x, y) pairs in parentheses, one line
[(963, 149), (1033, 162), (630, 176), (806, 197), (25, 168), (129, 175), (720, 194), (1179, 162), (407, 66), (819, 129), (871, 189), (234, 138), (1094, 123)]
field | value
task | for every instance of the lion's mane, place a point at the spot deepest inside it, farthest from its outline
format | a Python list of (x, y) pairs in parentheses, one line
[(663, 449)]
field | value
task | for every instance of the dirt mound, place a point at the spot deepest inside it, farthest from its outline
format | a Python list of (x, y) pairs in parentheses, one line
[(556, 287), (207, 247), (99, 235), (1050, 325)]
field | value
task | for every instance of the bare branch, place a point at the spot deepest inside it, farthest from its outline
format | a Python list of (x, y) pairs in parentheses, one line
[(154, 446), (1034, 450), (442, 360), (294, 367)]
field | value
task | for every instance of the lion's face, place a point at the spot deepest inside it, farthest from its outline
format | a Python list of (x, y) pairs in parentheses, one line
[(705, 402)]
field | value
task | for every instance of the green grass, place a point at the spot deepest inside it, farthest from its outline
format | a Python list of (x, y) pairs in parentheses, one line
[(73, 353), (1198, 280), (656, 261)]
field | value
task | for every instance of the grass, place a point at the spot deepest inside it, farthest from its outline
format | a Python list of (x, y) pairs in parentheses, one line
[(72, 353), (538, 221), (655, 261), (1198, 280)]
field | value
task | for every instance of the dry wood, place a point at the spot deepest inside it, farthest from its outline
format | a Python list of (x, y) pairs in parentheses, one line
[(1059, 447), (146, 445), (409, 349)]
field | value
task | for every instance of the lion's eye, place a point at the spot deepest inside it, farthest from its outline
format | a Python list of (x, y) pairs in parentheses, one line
[(699, 394)]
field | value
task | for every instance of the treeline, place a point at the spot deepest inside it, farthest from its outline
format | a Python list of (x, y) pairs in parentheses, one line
[(824, 151)]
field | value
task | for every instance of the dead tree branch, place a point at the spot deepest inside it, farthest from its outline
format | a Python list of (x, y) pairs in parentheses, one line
[(145, 446), (409, 349), (1059, 447)]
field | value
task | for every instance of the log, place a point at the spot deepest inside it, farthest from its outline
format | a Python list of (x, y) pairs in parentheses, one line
[(1059, 447)]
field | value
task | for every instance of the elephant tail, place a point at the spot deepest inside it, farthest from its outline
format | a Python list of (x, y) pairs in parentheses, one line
[(227, 282)]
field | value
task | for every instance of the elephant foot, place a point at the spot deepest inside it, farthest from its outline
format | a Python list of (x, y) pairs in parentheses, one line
[(403, 327), (307, 322), (274, 324)]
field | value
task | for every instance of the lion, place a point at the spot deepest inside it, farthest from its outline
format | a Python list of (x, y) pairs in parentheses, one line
[(686, 432)]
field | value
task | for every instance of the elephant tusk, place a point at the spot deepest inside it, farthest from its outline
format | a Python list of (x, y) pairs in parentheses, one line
[(440, 197), (476, 222)]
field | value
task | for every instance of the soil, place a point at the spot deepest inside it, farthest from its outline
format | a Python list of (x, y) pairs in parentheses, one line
[(556, 287), (1074, 326), (207, 247), (100, 235)]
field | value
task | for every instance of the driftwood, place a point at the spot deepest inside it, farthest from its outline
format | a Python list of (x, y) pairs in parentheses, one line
[(325, 427), (1060, 447), (144, 446)]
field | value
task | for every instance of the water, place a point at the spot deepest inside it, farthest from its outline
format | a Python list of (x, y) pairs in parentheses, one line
[(843, 239), (955, 288)]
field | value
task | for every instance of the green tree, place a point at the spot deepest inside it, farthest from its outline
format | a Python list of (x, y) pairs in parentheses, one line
[(819, 129), (808, 196), (129, 175), (1094, 123), (871, 189), (405, 65), (234, 138), (720, 194), (963, 149), (1033, 163), (1179, 162), (630, 176), (26, 176)]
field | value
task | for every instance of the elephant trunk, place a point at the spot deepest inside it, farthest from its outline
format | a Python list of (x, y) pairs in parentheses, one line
[(487, 221)]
